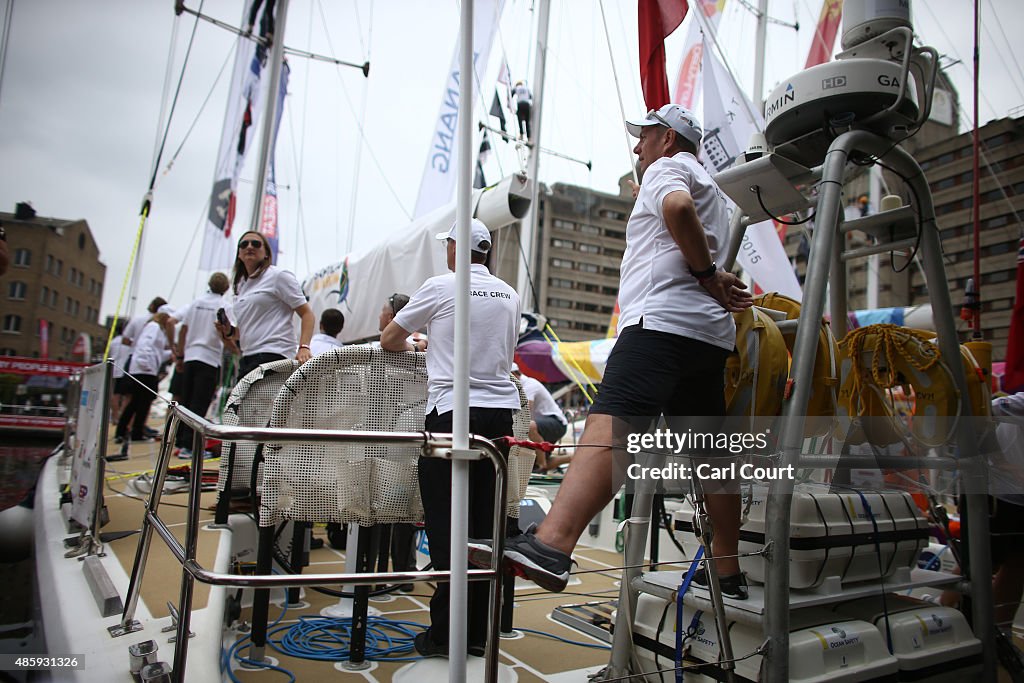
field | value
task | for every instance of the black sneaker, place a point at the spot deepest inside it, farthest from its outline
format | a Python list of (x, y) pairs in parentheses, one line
[(426, 646), (476, 650), (734, 586), (529, 558)]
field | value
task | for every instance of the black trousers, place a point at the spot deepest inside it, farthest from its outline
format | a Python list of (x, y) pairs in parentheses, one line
[(250, 363), (435, 489), (199, 382), (137, 411)]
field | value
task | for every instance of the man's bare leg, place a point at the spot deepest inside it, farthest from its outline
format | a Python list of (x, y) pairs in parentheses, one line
[(724, 510), (589, 485)]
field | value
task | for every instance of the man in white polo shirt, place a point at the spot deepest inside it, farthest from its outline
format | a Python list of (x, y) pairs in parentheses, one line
[(675, 332), (197, 353), (493, 333)]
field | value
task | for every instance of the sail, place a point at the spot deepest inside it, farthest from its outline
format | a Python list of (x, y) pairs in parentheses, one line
[(438, 183), (729, 120), (656, 20), (244, 103)]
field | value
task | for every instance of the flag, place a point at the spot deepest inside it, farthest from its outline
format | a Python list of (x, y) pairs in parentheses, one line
[(44, 339), (268, 219), (499, 111), (438, 182), (656, 20), (825, 34), (244, 102), (1013, 380), (729, 120), (479, 182), (688, 82)]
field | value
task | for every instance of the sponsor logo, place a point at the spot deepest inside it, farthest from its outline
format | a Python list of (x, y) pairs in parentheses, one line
[(781, 101), (834, 82)]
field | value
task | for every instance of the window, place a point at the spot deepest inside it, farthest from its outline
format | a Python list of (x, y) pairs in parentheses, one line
[(589, 248), (73, 275), (81, 240), (16, 290), (561, 263), (8, 352), (22, 257), (60, 267), (590, 230), (567, 244), (74, 308), (12, 323), (53, 298), (564, 225), (589, 267), (80, 279), (49, 263), (559, 303), (44, 296)]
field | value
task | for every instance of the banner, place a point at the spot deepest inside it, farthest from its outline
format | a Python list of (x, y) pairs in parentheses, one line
[(91, 428), (15, 365), (656, 19), (268, 220), (727, 129), (438, 183), (44, 339), (244, 103), (825, 33), (688, 82)]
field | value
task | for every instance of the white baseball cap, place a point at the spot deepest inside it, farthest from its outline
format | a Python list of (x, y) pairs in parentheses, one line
[(479, 236), (166, 308), (679, 119)]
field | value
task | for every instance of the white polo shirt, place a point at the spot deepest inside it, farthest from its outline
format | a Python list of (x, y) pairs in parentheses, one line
[(656, 284), (202, 343), (322, 342), (263, 310), (149, 351), (493, 333), (134, 328), (543, 402)]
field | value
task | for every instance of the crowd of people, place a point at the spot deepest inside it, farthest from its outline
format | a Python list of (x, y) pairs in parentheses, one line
[(675, 332)]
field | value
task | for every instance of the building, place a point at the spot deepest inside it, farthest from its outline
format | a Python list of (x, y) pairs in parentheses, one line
[(52, 290), (581, 237)]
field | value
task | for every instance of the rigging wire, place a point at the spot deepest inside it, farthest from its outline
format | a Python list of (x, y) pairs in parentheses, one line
[(618, 93), (5, 38), (202, 107), (1013, 57), (188, 250)]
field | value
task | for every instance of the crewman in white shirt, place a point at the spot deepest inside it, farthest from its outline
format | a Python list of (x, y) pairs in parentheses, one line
[(493, 332)]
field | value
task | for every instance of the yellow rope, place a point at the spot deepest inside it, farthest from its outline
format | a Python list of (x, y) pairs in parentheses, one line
[(127, 277), (891, 340)]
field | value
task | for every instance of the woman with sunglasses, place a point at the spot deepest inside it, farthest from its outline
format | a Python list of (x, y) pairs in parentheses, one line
[(265, 299)]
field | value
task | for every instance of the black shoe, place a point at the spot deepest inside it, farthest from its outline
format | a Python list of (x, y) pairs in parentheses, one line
[(475, 650), (316, 543), (529, 558), (337, 536), (734, 586), (426, 646), (407, 588), (118, 439), (149, 431)]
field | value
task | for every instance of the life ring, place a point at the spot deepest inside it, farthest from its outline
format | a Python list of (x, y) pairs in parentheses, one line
[(821, 406), (881, 359), (755, 373)]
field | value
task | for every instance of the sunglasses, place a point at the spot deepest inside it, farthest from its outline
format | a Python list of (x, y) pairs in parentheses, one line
[(255, 244), (653, 114)]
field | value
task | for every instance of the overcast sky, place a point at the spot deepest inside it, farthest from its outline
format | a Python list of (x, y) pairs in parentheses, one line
[(82, 87)]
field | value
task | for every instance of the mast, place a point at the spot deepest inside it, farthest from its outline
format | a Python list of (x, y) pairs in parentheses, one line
[(762, 32), (976, 208), (270, 114), (528, 234)]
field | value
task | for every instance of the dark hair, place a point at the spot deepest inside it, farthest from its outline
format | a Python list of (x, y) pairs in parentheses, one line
[(332, 321), (239, 272), (681, 143), (397, 301), (155, 304)]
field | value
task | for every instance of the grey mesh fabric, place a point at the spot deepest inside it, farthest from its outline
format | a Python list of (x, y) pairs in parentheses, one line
[(357, 387), (249, 406)]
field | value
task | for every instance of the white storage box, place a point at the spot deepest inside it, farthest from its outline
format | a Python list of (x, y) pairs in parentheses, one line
[(821, 648), (930, 642), (831, 534)]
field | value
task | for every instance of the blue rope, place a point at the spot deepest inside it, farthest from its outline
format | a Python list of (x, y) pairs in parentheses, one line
[(595, 646), (327, 639), (683, 587)]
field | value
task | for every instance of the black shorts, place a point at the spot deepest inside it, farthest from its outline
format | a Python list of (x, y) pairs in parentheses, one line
[(550, 427), (651, 373), (123, 385)]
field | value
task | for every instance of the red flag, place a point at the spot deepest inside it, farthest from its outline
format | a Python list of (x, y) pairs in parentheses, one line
[(825, 34), (657, 19), (1013, 380)]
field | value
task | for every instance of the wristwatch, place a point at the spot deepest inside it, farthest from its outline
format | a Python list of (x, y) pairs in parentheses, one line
[(705, 274)]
